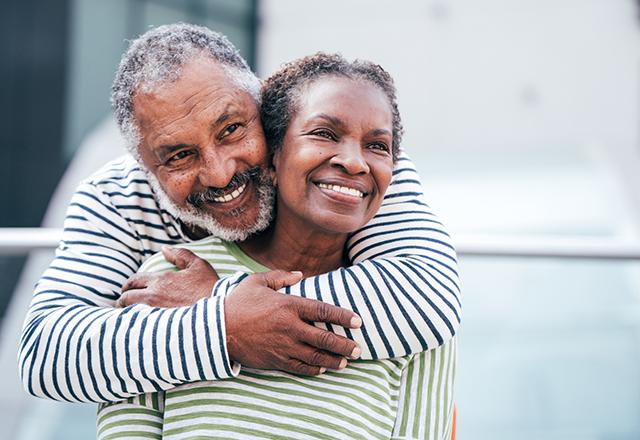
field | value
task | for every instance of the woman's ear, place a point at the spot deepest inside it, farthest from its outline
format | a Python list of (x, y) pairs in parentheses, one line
[(271, 172), (275, 161)]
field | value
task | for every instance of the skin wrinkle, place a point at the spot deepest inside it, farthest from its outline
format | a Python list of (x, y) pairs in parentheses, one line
[(158, 127), (146, 66), (212, 156)]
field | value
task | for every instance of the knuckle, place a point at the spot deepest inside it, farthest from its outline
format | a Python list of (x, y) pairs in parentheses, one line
[(317, 358), (298, 367), (181, 252), (285, 324), (326, 340), (123, 301), (323, 312)]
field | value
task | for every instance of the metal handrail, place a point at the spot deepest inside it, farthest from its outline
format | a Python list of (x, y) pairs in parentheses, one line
[(20, 241)]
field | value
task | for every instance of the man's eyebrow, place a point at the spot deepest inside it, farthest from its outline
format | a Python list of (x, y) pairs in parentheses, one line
[(227, 112), (165, 150)]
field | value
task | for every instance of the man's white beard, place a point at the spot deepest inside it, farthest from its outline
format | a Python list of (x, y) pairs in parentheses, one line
[(194, 217)]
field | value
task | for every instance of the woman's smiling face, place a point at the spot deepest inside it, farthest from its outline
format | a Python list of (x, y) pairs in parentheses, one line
[(336, 161)]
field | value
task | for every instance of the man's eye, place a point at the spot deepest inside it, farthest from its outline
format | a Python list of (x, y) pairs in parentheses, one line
[(327, 134), (180, 155), (229, 129)]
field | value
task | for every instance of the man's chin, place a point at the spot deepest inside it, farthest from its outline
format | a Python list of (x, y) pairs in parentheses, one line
[(228, 224)]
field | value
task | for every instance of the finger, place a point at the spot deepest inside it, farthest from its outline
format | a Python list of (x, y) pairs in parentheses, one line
[(296, 366), (330, 342), (137, 281), (179, 257), (277, 279), (320, 358), (318, 311), (135, 296)]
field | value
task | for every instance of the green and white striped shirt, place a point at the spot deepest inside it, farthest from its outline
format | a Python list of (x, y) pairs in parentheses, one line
[(402, 398)]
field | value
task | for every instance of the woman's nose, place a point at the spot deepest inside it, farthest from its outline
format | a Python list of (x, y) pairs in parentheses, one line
[(350, 158)]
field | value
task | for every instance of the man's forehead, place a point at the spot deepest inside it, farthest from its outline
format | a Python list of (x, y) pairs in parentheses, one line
[(200, 71), (202, 82)]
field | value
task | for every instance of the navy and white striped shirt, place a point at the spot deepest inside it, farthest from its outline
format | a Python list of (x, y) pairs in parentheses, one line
[(76, 346)]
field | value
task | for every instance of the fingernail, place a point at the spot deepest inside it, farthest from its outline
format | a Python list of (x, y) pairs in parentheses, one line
[(322, 370), (343, 364), (356, 322), (296, 272), (355, 354)]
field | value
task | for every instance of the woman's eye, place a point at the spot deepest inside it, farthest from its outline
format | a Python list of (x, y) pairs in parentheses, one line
[(379, 146), (327, 134)]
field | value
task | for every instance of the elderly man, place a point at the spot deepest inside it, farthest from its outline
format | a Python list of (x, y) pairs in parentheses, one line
[(187, 104)]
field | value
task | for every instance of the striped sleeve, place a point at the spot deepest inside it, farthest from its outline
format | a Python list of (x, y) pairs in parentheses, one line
[(404, 279), (76, 347), (425, 403)]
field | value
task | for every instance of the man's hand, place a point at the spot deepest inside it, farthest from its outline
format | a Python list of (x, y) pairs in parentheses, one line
[(193, 281), (270, 330)]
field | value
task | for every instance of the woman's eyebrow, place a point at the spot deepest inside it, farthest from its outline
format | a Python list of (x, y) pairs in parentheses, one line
[(380, 132), (331, 119)]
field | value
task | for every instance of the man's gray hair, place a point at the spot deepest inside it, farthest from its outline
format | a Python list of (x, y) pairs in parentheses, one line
[(157, 56)]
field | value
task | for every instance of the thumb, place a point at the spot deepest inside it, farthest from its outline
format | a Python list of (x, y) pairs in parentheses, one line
[(179, 257), (277, 279)]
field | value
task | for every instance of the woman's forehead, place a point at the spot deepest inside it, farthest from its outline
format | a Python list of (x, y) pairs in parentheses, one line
[(333, 95)]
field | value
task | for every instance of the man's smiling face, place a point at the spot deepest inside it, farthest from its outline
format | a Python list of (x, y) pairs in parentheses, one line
[(202, 141)]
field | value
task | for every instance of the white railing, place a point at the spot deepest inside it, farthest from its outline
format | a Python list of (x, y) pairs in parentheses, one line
[(20, 241)]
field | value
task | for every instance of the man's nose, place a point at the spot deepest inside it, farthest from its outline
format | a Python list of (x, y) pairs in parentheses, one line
[(216, 169), (350, 158)]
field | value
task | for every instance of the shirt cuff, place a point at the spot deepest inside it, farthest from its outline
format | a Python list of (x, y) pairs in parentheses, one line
[(223, 366)]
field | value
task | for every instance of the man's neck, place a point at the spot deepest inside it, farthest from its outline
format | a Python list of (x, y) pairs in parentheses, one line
[(194, 232)]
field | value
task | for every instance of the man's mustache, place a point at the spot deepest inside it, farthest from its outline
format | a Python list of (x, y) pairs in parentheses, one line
[(198, 200)]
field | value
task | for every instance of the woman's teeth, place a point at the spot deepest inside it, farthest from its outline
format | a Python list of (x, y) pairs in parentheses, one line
[(342, 189)]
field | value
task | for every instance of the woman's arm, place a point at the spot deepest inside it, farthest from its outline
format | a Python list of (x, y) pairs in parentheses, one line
[(425, 404)]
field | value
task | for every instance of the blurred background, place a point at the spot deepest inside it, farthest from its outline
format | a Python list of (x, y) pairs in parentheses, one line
[(522, 117)]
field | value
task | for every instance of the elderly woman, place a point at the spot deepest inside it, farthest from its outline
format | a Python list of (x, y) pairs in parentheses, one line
[(334, 131)]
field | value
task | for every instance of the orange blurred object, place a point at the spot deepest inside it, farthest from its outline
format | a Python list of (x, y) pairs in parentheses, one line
[(453, 430)]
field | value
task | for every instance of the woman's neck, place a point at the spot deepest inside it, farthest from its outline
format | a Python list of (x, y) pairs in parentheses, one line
[(289, 245)]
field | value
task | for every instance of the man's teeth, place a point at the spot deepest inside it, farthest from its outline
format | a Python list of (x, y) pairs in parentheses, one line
[(342, 189), (233, 195)]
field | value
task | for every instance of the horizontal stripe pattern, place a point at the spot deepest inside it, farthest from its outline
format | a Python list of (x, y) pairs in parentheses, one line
[(366, 400), (76, 347)]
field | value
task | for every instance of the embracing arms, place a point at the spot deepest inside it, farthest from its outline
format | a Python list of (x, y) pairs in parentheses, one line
[(75, 346), (403, 282)]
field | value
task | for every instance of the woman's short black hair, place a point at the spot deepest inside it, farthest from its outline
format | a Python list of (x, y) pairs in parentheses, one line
[(281, 91)]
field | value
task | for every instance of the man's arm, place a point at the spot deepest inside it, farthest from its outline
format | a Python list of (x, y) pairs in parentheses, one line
[(408, 265), (404, 282), (76, 346)]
